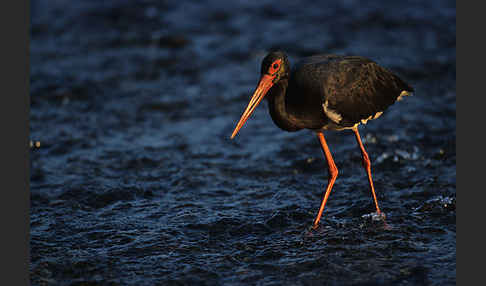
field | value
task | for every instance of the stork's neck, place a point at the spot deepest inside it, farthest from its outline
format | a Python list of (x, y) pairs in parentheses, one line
[(281, 115)]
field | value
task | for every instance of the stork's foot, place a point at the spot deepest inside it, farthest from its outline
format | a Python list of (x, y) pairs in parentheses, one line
[(378, 216), (375, 217)]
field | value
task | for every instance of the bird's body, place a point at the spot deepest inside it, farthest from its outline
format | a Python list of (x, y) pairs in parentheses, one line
[(331, 92), (326, 92)]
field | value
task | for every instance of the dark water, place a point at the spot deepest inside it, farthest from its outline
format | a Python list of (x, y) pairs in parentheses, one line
[(136, 181)]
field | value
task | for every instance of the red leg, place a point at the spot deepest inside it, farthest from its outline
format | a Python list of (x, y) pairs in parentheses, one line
[(367, 166), (333, 172)]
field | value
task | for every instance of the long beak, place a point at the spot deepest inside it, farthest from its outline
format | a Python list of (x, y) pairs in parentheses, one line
[(266, 82)]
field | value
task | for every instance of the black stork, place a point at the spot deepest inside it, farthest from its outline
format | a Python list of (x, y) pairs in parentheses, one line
[(326, 92)]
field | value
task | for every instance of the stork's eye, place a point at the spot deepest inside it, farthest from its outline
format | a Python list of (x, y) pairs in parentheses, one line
[(273, 68)]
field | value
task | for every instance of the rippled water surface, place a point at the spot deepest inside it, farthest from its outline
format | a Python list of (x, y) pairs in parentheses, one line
[(136, 181)]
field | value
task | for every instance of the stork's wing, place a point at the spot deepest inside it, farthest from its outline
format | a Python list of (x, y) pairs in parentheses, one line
[(352, 88)]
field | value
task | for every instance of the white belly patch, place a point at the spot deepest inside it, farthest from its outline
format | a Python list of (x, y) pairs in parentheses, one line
[(331, 114)]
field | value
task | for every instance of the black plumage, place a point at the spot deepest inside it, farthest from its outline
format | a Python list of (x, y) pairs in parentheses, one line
[(326, 92), (354, 88)]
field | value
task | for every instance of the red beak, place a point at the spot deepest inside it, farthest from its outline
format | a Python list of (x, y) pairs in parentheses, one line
[(266, 82)]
